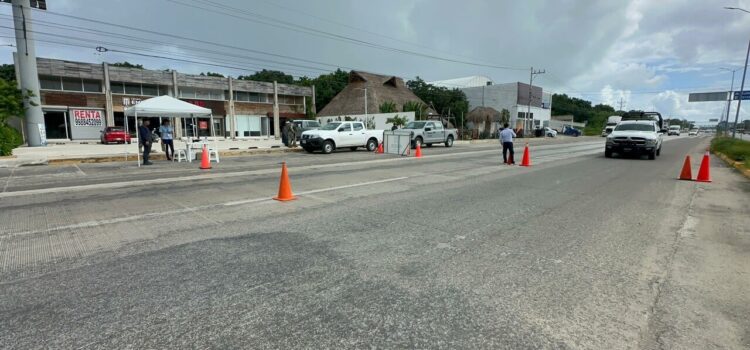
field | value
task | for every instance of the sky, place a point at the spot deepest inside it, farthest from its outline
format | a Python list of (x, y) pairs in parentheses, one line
[(644, 54)]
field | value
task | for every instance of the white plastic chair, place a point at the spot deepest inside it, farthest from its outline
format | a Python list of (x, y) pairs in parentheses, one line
[(179, 156), (213, 155)]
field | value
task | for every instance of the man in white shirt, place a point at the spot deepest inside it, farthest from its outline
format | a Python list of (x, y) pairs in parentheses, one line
[(506, 137)]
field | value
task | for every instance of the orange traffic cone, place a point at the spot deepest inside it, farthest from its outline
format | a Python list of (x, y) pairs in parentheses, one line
[(205, 161), (285, 187), (687, 173), (380, 148), (418, 153), (704, 171), (526, 160)]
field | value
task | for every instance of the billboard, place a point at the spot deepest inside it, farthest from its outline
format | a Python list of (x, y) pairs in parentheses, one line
[(708, 96)]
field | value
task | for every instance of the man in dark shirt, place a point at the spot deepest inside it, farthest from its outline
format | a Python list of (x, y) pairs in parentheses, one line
[(144, 137)]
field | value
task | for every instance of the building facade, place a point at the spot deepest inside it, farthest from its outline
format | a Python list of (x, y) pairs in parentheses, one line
[(80, 99), (515, 97)]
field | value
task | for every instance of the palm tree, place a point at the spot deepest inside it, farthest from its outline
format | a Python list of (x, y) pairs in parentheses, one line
[(419, 109)]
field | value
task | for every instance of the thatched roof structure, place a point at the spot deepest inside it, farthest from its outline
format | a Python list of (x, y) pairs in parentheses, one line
[(380, 88), (483, 114)]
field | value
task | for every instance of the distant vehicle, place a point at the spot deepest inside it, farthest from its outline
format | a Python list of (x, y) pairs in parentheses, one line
[(429, 132), (693, 132), (674, 130), (304, 125), (114, 134), (549, 132), (571, 131), (336, 135), (635, 137), (611, 123)]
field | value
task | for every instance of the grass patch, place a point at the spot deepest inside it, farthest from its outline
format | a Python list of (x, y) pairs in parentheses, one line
[(735, 149)]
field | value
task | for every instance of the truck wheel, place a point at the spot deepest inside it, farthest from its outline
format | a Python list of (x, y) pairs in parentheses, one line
[(418, 141), (449, 142), (658, 151), (327, 147), (607, 153), (372, 144), (353, 148)]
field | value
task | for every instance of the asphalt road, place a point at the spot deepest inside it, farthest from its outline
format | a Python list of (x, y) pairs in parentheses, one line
[(453, 250)]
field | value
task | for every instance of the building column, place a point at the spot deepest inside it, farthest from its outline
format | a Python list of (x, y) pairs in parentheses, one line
[(314, 107), (109, 108), (175, 94), (276, 126), (230, 121)]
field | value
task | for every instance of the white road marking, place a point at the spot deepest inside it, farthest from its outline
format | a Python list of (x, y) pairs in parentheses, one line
[(79, 169), (186, 209), (7, 181)]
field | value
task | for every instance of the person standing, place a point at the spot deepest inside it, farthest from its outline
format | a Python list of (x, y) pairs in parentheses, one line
[(144, 136), (167, 138), (285, 133), (292, 135), (506, 137)]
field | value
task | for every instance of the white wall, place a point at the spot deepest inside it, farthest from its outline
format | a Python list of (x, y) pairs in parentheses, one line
[(379, 119)]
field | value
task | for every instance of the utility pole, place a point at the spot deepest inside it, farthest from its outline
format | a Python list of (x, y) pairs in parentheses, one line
[(365, 104), (531, 84), (28, 75), (742, 88), (621, 103), (729, 101)]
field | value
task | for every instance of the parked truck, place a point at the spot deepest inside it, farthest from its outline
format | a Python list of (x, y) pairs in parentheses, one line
[(611, 123), (337, 135), (429, 132)]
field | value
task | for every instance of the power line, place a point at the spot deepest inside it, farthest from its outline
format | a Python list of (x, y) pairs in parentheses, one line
[(312, 31)]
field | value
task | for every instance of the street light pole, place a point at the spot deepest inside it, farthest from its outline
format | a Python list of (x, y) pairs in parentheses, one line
[(742, 85), (365, 103), (528, 107), (729, 99), (742, 88)]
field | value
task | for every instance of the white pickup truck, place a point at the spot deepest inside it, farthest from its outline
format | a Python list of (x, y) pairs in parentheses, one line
[(335, 135)]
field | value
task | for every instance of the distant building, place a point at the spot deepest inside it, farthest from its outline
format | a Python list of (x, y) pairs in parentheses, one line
[(481, 92), (80, 99), (379, 89)]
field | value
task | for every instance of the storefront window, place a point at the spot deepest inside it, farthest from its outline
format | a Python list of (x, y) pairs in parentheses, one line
[(92, 86), (251, 126), (116, 87), (133, 89), (50, 83), (150, 90)]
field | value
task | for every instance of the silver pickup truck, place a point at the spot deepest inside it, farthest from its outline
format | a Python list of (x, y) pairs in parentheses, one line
[(429, 132)]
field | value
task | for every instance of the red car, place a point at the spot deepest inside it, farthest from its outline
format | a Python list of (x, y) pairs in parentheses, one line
[(115, 134)]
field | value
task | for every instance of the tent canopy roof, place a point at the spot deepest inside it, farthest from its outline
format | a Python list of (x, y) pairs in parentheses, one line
[(166, 106)]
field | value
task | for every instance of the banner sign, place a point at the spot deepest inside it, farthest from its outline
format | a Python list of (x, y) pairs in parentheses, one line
[(131, 101), (708, 96), (203, 125), (85, 117)]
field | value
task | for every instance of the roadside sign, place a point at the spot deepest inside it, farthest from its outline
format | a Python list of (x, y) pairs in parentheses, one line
[(708, 96), (745, 95), (713, 120)]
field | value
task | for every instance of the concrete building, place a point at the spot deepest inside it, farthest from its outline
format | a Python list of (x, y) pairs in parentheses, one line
[(482, 92), (80, 99)]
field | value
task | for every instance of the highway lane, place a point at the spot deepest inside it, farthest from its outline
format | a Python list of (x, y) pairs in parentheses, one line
[(452, 250)]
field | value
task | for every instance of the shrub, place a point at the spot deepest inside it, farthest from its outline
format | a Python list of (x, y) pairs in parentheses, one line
[(9, 139), (735, 149)]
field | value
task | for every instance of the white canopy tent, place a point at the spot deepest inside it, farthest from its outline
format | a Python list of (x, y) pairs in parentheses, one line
[(166, 106)]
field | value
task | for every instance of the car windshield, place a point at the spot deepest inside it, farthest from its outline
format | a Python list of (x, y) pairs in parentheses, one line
[(635, 127), (675, 127), (331, 126), (415, 125)]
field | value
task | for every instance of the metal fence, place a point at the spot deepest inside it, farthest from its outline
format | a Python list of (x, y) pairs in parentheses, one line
[(396, 142)]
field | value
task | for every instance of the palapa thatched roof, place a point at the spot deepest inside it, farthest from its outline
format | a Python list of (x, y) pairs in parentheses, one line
[(380, 88), (482, 114)]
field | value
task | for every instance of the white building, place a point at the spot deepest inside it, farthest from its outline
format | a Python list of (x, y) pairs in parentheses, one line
[(481, 92)]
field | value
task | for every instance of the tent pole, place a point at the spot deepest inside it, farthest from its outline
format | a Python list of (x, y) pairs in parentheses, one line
[(127, 134), (213, 133), (138, 138)]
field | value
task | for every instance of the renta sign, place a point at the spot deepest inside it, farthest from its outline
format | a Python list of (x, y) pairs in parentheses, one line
[(87, 117)]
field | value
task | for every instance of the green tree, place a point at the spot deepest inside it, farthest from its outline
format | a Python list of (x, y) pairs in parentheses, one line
[(504, 116), (11, 105), (127, 64), (269, 76), (212, 74), (448, 102), (419, 109), (8, 72), (327, 86), (397, 120), (388, 107)]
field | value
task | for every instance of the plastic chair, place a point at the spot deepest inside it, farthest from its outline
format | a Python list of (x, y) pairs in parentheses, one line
[(180, 155)]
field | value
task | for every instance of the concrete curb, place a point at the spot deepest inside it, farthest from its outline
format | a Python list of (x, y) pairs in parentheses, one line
[(740, 166), (162, 156), (14, 162)]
